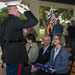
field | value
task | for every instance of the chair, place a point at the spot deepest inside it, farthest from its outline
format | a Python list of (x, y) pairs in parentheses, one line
[(68, 49), (72, 66)]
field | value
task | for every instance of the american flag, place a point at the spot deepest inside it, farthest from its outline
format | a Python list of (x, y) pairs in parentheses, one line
[(43, 68), (52, 18)]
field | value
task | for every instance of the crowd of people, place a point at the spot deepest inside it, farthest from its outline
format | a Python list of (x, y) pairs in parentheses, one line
[(67, 32), (20, 56)]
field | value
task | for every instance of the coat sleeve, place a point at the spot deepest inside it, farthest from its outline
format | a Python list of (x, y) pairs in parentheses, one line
[(29, 22), (2, 40)]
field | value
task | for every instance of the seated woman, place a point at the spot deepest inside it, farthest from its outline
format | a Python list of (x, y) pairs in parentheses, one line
[(58, 58), (32, 48)]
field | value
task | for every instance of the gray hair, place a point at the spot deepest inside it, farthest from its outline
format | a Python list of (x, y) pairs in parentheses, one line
[(61, 38), (47, 37)]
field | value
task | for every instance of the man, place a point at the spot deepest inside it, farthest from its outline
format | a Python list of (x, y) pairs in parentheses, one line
[(57, 28), (14, 53), (44, 52), (66, 34), (43, 57), (71, 34)]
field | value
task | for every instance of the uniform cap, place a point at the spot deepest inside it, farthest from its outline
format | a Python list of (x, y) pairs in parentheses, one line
[(11, 3)]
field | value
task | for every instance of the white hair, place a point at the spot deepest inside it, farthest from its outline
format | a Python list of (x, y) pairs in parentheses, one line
[(47, 37)]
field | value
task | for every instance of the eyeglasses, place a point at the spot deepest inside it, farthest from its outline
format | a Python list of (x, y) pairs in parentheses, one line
[(55, 39)]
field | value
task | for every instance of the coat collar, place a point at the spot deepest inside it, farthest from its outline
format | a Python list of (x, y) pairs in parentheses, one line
[(57, 54)]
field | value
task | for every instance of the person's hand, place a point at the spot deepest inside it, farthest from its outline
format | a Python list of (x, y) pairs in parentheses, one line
[(33, 69), (20, 9), (25, 7), (53, 70), (70, 54)]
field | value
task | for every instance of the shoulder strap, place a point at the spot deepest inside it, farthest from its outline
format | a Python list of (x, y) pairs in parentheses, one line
[(29, 49)]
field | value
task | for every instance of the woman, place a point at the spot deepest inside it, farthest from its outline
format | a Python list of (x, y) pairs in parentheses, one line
[(59, 57), (32, 48)]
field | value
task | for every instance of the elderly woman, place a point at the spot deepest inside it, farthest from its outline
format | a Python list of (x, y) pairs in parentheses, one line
[(59, 57), (32, 48)]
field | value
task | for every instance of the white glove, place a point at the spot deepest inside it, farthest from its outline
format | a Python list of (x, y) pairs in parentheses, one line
[(20, 9), (25, 7)]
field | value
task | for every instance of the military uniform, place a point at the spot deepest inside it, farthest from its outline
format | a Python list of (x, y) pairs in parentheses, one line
[(12, 31)]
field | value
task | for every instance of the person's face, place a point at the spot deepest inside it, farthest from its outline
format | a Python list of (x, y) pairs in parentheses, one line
[(57, 22), (72, 23), (29, 41), (46, 41), (17, 13), (68, 24), (56, 40)]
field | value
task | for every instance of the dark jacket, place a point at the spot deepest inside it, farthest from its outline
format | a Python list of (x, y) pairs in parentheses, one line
[(12, 31), (72, 57), (42, 59)]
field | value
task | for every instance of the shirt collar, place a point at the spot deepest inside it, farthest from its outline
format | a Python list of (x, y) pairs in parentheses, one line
[(46, 47), (57, 50)]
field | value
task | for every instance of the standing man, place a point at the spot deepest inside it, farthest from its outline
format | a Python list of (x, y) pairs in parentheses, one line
[(57, 28), (14, 52), (71, 34)]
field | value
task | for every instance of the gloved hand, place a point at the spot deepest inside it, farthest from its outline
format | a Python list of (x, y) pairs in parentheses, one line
[(25, 7), (20, 9)]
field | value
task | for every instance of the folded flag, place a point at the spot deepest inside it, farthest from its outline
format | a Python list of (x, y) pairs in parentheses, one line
[(43, 67)]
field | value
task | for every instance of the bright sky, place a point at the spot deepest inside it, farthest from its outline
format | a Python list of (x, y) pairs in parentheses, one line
[(2, 5)]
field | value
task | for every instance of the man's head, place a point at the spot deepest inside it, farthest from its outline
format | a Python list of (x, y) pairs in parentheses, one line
[(12, 9), (46, 40), (51, 23), (72, 22), (57, 21), (68, 24)]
